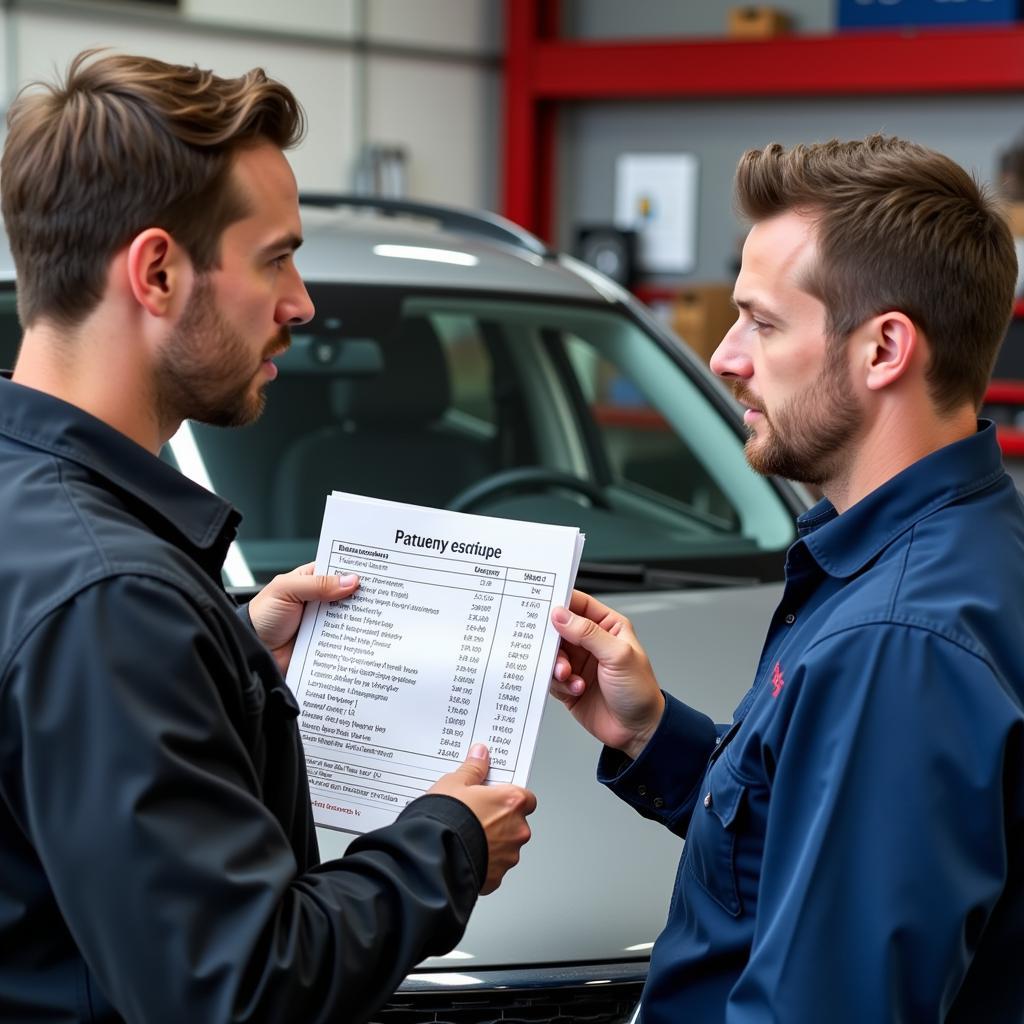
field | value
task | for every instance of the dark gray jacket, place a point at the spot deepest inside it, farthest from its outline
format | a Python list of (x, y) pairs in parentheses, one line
[(158, 860)]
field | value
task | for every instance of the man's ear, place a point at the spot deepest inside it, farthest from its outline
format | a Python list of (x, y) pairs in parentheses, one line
[(891, 341), (159, 272)]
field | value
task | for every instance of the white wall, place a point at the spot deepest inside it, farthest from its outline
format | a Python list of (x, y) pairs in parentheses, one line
[(450, 24), (328, 16), (441, 126), (422, 74)]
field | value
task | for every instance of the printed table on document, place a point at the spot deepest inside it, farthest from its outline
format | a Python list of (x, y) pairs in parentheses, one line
[(430, 655)]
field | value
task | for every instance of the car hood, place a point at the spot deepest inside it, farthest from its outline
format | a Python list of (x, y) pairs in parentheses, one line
[(595, 880)]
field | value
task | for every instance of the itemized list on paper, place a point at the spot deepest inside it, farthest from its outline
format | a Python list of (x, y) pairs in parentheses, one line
[(447, 642)]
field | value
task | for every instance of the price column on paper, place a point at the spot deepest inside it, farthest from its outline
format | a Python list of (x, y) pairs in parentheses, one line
[(510, 680)]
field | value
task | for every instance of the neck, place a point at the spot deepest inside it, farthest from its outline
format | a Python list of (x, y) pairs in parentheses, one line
[(895, 440), (100, 369)]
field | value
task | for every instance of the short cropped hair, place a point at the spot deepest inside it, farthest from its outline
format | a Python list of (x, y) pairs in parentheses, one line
[(898, 227), (123, 144)]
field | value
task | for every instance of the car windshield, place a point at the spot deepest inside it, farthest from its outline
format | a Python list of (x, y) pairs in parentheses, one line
[(504, 406)]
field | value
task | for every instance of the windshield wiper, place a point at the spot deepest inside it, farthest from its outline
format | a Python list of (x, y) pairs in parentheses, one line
[(637, 576)]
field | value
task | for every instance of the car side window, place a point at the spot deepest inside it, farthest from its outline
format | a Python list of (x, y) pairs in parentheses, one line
[(639, 445), (470, 373)]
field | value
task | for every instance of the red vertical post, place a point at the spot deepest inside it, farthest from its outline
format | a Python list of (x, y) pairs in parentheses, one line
[(529, 124)]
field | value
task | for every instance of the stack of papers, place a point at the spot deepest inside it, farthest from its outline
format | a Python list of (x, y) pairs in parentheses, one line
[(446, 643)]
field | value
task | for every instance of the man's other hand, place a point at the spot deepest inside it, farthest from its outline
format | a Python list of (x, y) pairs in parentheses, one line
[(276, 610), (501, 809), (603, 677)]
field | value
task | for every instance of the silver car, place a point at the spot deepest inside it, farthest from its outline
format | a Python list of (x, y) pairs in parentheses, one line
[(455, 362)]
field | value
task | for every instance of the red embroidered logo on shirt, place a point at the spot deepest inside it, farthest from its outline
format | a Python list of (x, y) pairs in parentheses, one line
[(777, 681)]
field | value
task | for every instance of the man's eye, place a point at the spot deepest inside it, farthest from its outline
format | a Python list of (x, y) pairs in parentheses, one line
[(760, 326), (279, 262)]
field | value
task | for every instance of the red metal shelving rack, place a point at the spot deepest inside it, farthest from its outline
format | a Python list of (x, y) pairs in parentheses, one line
[(543, 71)]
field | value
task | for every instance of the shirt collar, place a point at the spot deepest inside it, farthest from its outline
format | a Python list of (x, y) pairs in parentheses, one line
[(844, 544), (50, 424)]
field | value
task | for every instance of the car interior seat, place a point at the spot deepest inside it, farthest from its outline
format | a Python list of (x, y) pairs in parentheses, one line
[(389, 438)]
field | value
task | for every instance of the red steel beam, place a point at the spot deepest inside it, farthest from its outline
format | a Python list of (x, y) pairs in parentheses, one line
[(520, 130), (1011, 441), (851, 63), (529, 122), (1005, 392)]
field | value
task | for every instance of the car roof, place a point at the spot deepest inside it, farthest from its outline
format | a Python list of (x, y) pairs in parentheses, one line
[(365, 247), (368, 241)]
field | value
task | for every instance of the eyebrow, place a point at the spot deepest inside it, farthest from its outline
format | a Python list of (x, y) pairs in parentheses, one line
[(289, 242), (755, 308)]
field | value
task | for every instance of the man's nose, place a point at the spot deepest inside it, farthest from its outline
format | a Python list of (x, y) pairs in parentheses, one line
[(296, 307), (731, 358)]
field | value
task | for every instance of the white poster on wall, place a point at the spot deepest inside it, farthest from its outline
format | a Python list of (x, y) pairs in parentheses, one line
[(656, 196)]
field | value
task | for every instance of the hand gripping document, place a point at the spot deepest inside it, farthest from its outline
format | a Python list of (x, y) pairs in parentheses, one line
[(447, 642)]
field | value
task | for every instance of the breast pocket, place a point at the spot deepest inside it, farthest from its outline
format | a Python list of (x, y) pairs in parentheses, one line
[(710, 851)]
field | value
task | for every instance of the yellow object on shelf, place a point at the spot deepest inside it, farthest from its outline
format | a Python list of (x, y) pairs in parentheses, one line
[(757, 22)]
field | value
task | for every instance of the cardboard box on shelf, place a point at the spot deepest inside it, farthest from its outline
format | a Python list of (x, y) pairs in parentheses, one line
[(1015, 216), (702, 315), (757, 22)]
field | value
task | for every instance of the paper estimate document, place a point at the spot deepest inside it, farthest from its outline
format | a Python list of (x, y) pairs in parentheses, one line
[(447, 642)]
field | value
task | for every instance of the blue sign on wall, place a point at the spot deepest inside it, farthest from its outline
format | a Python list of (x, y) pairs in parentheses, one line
[(881, 13)]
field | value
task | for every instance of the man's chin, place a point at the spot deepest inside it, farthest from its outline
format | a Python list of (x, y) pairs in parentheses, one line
[(755, 457), (240, 413), (253, 408), (765, 460)]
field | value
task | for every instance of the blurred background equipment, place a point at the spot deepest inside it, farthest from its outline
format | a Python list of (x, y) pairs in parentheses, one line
[(381, 170), (610, 249)]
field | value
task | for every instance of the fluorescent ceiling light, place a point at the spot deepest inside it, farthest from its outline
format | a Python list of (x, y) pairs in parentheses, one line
[(190, 462), (638, 947), (419, 252), (457, 954)]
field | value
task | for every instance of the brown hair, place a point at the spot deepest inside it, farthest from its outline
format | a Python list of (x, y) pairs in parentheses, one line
[(898, 227), (123, 144)]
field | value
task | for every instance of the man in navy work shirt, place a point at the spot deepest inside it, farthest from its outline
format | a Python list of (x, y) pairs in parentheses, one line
[(855, 838), (158, 861)]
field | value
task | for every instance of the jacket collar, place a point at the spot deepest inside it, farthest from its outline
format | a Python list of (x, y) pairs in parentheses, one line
[(52, 425), (844, 544)]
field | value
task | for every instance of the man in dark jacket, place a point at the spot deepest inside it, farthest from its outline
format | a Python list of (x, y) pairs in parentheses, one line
[(158, 860)]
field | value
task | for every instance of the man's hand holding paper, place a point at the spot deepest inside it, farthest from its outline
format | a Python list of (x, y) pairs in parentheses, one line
[(501, 810)]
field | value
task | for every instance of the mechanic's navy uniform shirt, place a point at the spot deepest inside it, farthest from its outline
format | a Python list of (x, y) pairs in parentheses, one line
[(855, 840)]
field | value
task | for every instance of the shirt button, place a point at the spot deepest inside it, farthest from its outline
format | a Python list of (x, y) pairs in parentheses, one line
[(790, 619), (658, 802), (707, 801), (718, 739), (642, 790)]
